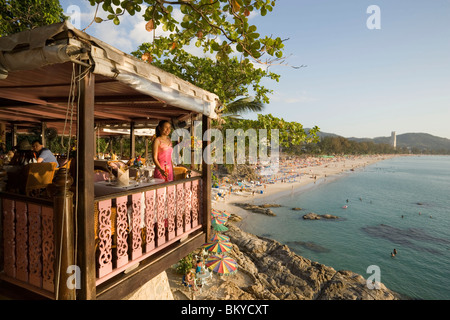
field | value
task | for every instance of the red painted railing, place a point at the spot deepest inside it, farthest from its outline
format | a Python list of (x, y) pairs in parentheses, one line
[(134, 226), (28, 244)]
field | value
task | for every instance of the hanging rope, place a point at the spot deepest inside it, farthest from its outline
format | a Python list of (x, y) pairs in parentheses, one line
[(74, 92)]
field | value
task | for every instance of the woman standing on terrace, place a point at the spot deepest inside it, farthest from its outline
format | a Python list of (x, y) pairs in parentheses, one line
[(162, 152)]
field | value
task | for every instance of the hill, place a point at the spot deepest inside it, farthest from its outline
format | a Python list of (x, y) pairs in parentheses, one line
[(415, 140), (421, 141)]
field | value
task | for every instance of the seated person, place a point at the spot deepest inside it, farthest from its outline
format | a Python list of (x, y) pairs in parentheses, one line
[(18, 173), (24, 155), (199, 266), (44, 154)]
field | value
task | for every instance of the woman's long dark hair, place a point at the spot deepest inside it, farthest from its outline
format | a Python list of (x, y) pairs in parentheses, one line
[(159, 127)]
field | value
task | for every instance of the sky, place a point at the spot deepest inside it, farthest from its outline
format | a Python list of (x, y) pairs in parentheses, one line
[(366, 73)]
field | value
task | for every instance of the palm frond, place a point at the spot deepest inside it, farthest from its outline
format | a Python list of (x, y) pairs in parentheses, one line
[(243, 105)]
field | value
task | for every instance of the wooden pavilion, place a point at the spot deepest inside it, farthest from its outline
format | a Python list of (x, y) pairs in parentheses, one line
[(107, 245)]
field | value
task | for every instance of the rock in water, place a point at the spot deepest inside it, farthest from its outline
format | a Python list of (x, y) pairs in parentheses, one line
[(315, 216), (279, 274)]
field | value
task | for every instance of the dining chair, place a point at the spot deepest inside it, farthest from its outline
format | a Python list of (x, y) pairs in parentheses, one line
[(39, 176), (179, 173)]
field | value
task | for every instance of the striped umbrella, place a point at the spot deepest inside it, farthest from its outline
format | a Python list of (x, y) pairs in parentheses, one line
[(219, 227), (218, 246), (226, 214), (219, 220), (215, 213), (220, 237), (221, 264)]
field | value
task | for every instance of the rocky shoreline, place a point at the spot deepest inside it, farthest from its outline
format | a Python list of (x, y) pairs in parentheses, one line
[(269, 270)]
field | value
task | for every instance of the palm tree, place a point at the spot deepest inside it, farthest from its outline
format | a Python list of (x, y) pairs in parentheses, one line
[(243, 105)]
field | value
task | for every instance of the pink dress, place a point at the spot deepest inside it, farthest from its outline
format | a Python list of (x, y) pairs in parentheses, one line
[(165, 160)]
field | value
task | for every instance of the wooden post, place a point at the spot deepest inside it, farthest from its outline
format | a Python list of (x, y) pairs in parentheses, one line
[(13, 135), (146, 150), (207, 176), (43, 134), (3, 133), (64, 236), (85, 214), (132, 142), (192, 145), (121, 147)]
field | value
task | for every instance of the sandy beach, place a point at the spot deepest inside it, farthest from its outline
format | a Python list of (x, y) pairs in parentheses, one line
[(293, 173), (307, 171)]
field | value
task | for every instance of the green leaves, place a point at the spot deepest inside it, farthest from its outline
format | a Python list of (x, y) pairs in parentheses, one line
[(224, 25), (16, 16), (290, 133)]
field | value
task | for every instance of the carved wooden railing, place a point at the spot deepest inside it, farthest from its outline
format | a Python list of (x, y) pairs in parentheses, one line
[(132, 226), (28, 243)]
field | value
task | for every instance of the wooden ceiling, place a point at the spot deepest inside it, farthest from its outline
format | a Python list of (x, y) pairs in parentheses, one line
[(32, 97)]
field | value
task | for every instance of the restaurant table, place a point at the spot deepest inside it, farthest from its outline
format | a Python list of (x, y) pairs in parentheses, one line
[(203, 275), (103, 188)]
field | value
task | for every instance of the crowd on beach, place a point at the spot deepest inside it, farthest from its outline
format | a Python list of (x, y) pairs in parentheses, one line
[(288, 169)]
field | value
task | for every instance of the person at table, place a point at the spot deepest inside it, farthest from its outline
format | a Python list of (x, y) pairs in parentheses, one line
[(24, 155), (18, 172), (162, 151), (43, 154)]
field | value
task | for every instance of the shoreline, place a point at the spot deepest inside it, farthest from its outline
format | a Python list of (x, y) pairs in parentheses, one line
[(269, 270), (328, 171)]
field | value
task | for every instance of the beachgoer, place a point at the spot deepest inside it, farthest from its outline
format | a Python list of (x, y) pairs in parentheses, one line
[(395, 251), (190, 279), (162, 152), (199, 266), (44, 154)]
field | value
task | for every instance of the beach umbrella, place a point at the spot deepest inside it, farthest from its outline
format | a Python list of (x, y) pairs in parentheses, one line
[(218, 213), (220, 237), (219, 220), (218, 246), (226, 214), (219, 227), (221, 264)]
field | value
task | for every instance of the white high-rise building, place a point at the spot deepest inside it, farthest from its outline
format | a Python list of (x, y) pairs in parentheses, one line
[(394, 139)]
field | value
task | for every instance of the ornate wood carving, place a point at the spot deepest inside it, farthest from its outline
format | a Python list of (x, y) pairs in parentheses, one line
[(188, 206), (195, 203), (171, 212), (180, 209), (35, 244), (121, 232), (105, 240), (160, 211), (150, 220), (136, 238), (9, 237), (48, 249), (21, 241)]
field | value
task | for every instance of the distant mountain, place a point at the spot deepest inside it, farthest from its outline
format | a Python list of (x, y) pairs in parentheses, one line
[(421, 141)]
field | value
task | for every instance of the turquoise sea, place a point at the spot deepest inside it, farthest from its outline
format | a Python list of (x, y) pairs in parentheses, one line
[(401, 203)]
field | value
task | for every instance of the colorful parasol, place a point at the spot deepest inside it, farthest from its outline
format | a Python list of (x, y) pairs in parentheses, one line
[(219, 220), (226, 214), (218, 246), (219, 227), (220, 237), (215, 213), (221, 264)]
